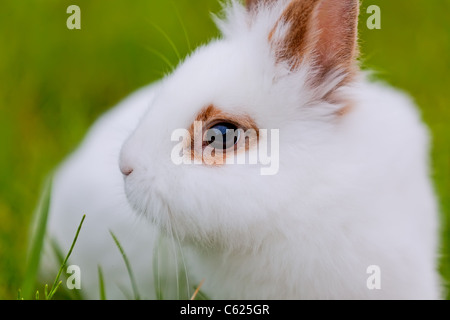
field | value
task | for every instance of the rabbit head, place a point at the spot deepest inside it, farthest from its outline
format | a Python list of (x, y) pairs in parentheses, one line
[(282, 70)]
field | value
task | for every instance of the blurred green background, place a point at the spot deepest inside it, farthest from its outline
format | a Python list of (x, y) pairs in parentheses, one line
[(55, 82)]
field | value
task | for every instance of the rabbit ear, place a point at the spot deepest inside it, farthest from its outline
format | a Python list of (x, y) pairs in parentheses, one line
[(322, 31)]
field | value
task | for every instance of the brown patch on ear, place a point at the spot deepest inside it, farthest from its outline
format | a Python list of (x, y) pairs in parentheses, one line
[(293, 47), (210, 116), (337, 44), (322, 31)]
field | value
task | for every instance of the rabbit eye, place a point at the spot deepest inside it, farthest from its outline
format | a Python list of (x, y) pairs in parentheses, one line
[(222, 136)]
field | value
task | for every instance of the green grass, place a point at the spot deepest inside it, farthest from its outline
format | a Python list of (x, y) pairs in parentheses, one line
[(136, 294), (36, 244), (55, 82), (34, 256)]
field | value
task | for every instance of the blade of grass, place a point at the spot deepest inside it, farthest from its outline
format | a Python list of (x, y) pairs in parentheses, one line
[(72, 294), (171, 278), (199, 295), (101, 283), (57, 283), (125, 292), (156, 270), (186, 35), (162, 57), (127, 263), (57, 251), (194, 296), (184, 285), (37, 241), (169, 40)]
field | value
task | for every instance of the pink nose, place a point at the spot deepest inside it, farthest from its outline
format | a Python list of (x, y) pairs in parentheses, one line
[(126, 171), (126, 162)]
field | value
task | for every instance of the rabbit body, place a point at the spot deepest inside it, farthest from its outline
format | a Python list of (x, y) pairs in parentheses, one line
[(352, 189)]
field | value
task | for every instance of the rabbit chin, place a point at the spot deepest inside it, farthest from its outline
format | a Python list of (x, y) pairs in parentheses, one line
[(206, 221), (147, 202)]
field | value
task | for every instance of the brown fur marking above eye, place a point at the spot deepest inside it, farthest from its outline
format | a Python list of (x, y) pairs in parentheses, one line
[(212, 115), (208, 113)]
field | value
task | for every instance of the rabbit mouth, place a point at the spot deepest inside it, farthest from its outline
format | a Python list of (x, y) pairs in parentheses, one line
[(147, 201)]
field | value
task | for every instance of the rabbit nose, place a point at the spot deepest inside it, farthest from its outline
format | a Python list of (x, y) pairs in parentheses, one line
[(125, 167), (126, 171), (128, 159)]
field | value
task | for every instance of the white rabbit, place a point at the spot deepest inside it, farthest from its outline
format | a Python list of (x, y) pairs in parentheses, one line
[(352, 189)]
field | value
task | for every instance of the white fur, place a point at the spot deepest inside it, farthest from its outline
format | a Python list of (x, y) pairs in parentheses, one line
[(352, 191)]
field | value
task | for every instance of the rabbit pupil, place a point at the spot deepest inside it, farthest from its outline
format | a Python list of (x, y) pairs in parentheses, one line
[(223, 136)]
